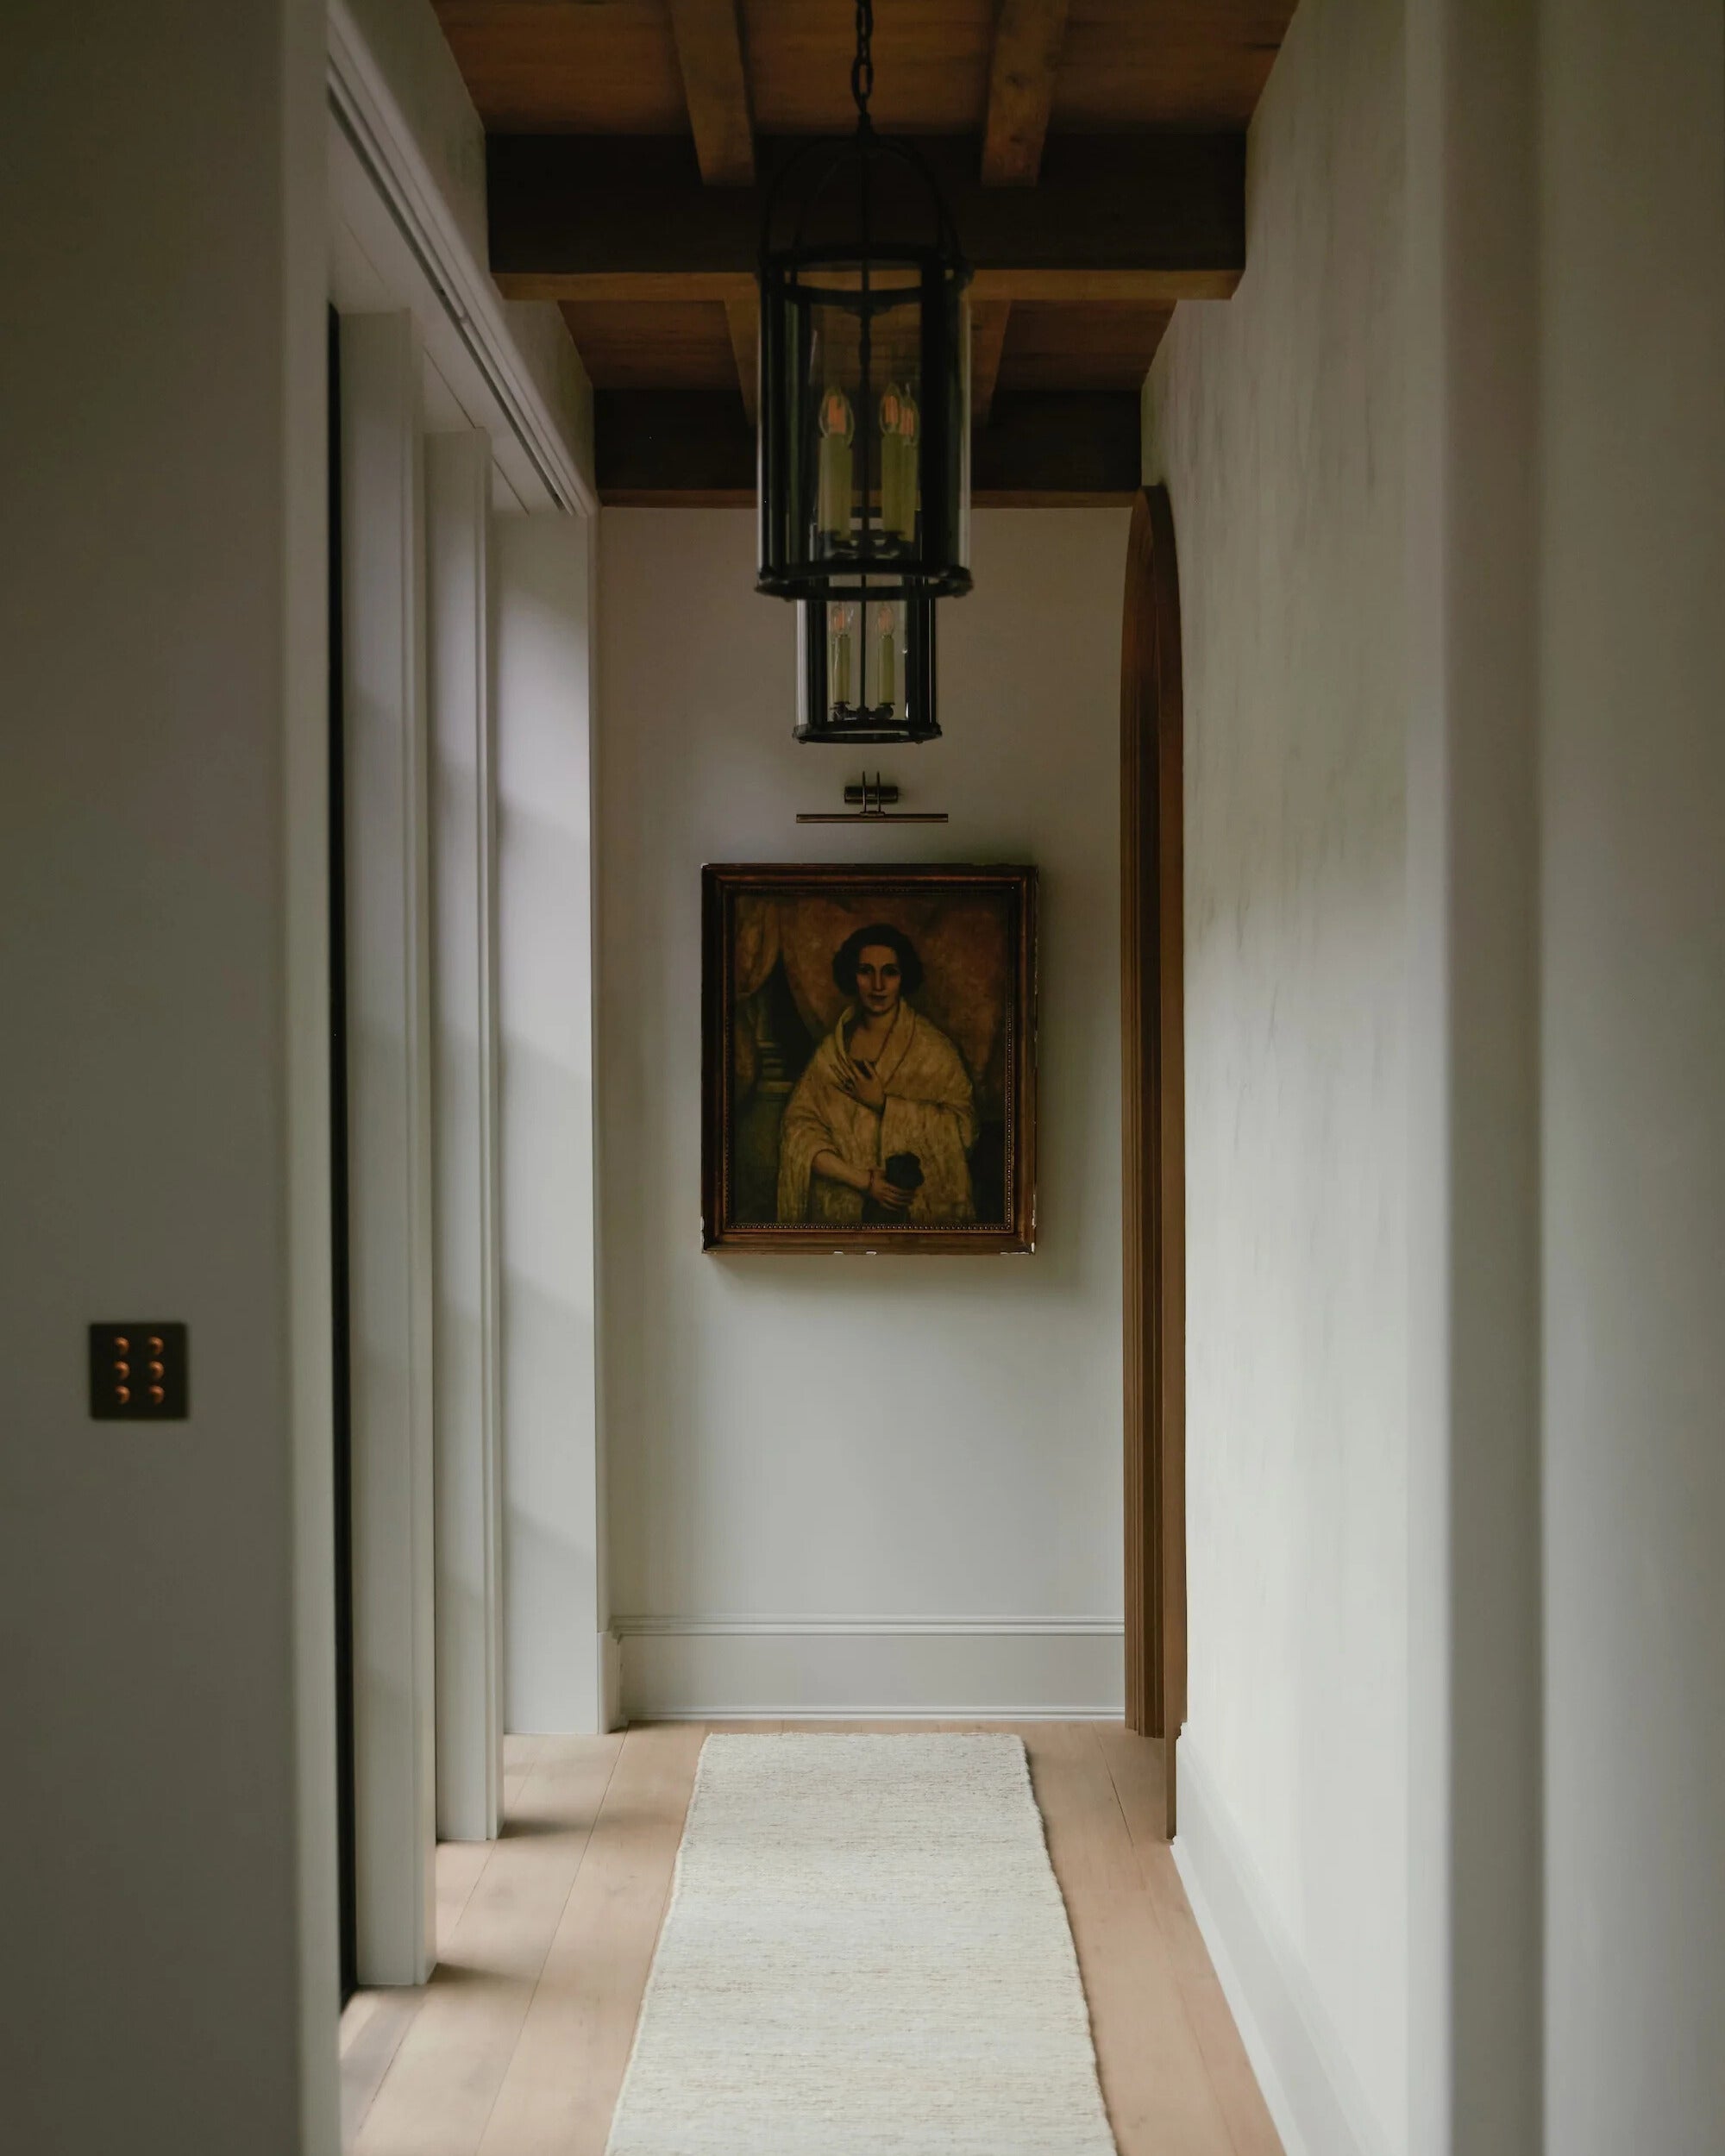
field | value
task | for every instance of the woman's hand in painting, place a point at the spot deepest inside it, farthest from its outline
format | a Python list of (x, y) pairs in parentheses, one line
[(865, 1085), (873, 1182), (888, 1194)]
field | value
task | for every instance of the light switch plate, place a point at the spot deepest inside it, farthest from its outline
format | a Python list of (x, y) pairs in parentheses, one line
[(138, 1371)]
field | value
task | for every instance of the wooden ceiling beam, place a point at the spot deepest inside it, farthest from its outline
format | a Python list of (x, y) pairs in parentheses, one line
[(988, 319), (1155, 217), (1051, 287), (692, 448), (742, 314), (1028, 36), (716, 83)]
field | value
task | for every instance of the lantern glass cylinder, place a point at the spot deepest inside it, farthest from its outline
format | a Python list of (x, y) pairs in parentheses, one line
[(866, 670), (865, 395)]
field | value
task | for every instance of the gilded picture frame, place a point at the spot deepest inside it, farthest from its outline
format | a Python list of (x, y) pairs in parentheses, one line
[(868, 1058)]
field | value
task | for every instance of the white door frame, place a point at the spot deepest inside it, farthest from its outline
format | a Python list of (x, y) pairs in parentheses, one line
[(467, 1418), (389, 1142), (427, 342)]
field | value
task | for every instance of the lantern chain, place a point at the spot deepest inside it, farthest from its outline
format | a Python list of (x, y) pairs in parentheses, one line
[(862, 67)]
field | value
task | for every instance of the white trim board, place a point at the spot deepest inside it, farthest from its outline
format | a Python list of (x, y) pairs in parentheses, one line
[(390, 1295), (943, 1668), (1309, 2082), (466, 1408)]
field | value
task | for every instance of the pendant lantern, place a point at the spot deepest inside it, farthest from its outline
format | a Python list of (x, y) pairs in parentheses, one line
[(865, 375), (865, 670)]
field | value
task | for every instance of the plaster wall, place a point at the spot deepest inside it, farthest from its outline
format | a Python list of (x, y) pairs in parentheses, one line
[(167, 1652), (1472, 579), (1631, 799), (1275, 419), (847, 1483)]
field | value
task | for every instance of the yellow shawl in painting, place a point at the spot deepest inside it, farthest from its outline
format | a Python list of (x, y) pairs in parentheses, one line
[(931, 1111)]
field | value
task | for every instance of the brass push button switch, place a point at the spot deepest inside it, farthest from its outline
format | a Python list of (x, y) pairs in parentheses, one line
[(116, 1395)]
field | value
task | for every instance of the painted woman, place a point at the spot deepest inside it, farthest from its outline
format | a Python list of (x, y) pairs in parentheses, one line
[(882, 1120)]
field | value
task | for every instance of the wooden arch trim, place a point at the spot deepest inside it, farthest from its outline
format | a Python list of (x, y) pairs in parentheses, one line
[(1152, 953)]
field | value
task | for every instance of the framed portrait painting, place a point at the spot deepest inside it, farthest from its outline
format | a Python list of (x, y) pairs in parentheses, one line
[(869, 1058)]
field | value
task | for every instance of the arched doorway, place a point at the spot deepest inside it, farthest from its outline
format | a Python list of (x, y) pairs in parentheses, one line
[(1153, 1098)]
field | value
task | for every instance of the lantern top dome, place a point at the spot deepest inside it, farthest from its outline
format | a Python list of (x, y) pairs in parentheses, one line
[(863, 197)]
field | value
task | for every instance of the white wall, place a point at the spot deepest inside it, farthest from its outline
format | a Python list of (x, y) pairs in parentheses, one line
[(1564, 996), (834, 1445), (171, 1964), (553, 1555), (1633, 901), (1473, 1668), (1276, 420)]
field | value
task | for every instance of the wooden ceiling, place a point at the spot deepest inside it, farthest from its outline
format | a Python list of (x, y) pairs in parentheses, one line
[(610, 67), (1093, 150)]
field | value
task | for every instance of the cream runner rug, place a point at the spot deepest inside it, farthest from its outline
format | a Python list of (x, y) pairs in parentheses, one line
[(866, 1954)]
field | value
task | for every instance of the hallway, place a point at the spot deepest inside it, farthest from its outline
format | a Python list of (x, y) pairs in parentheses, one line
[(517, 2045), (628, 674)]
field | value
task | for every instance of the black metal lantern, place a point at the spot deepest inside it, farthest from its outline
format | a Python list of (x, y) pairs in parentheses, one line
[(865, 372), (865, 670)]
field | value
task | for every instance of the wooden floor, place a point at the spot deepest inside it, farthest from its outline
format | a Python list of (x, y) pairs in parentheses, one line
[(518, 2045)]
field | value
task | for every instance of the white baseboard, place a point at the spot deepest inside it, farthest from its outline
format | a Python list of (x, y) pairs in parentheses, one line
[(1018, 1668), (1309, 2082)]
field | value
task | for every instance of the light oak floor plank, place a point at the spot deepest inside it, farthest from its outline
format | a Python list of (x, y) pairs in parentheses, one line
[(372, 2027), (518, 2047), (437, 2097), (458, 1866), (1160, 2096), (561, 2084), (1135, 1767)]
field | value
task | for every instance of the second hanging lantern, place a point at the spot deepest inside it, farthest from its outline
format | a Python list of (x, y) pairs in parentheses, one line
[(865, 374), (865, 671)]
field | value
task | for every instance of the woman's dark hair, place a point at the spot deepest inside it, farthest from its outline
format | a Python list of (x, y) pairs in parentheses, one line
[(850, 952)]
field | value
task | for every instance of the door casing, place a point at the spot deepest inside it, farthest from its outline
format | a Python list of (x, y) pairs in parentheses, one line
[(1152, 956)]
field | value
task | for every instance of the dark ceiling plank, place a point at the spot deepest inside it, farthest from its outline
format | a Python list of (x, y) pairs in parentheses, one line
[(672, 445), (1166, 63), (1155, 217), (610, 67), (1044, 450), (1080, 346), (931, 65), (675, 347), (988, 319), (1028, 36), (709, 52), (546, 65), (689, 449)]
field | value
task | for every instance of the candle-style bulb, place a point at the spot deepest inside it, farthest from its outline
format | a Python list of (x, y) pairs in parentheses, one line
[(885, 664), (838, 430)]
